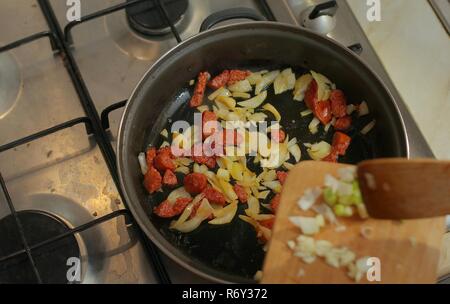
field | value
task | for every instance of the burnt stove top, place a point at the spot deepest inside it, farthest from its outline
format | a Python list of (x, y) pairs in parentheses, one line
[(63, 86)]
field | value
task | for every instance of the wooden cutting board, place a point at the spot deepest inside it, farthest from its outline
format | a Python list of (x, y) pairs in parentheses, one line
[(408, 250)]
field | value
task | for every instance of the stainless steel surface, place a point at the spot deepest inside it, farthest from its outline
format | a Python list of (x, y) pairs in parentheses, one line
[(65, 173), (442, 9)]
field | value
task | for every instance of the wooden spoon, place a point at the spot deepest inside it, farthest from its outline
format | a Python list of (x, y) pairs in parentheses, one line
[(392, 189)]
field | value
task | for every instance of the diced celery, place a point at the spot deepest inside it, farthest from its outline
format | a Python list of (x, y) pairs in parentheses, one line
[(343, 211), (357, 197), (330, 196), (345, 200)]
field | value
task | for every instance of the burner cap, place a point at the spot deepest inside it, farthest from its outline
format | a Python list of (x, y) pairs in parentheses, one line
[(50, 259), (147, 19)]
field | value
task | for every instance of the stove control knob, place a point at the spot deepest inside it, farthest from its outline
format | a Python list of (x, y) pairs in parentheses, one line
[(320, 18)]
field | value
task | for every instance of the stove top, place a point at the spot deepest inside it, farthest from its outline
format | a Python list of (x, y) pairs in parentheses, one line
[(63, 86)]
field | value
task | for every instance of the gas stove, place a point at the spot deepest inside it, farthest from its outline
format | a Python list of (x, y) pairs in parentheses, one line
[(63, 86)]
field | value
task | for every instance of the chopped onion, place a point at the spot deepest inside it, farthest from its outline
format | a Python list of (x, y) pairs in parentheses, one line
[(254, 78), (292, 142), (320, 150), (143, 163), (368, 128), (254, 102), (203, 108), (313, 125), (309, 198), (228, 102), (363, 109), (263, 194), (203, 212), (223, 174), (288, 166), (331, 182), (323, 86), (227, 190), (285, 81), (253, 206), (326, 212), (164, 144), (219, 92), (301, 85), (347, 174), (296, 152), (306, 113), (241, 86), (273, 110), (350, 109), (241, 95), (308, 225), (178, 193), (164, 133), (182, 169), (274, 185), (191, 82), (265, 81), (257, 117), (227, 215)]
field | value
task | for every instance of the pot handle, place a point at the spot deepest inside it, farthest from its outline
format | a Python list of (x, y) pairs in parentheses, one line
[(228, 14)]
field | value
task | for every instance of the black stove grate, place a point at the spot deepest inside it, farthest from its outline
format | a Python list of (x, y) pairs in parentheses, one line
[(96, 127)]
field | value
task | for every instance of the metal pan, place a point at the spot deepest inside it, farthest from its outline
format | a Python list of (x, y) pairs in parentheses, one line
[(231, 253)]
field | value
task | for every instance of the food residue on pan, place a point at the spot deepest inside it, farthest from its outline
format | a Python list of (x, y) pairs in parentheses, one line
[(209, 166)]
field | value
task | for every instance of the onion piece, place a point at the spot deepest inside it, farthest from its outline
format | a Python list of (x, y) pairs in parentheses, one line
[(241, 95), (285, 81), (309, 198), (223, 174), (363, 109), (301, 85), (164, 133), (240, 86), (269, 107), (203, 212), (219, 92), (263, 217), (253, 206), (226, 101), (143, 163), (308, 225), (178, 193), (306, 113), (257, 117), (263, 194), (228, 190), (326, 212), (203, 108), (254, 102), (226, 216), (265, 81), (296, 152), (368, 128), (323, 86), (164, 144), (313, 125), (288, 166), (273, 185), (350, 109), (182, 169), (320, 150)]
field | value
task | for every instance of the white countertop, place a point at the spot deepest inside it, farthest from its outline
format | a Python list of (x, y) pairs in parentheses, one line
[(415, 50)]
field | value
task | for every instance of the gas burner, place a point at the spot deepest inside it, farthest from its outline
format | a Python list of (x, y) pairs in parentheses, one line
[(10, 83), (50, 259), (146, 18)]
